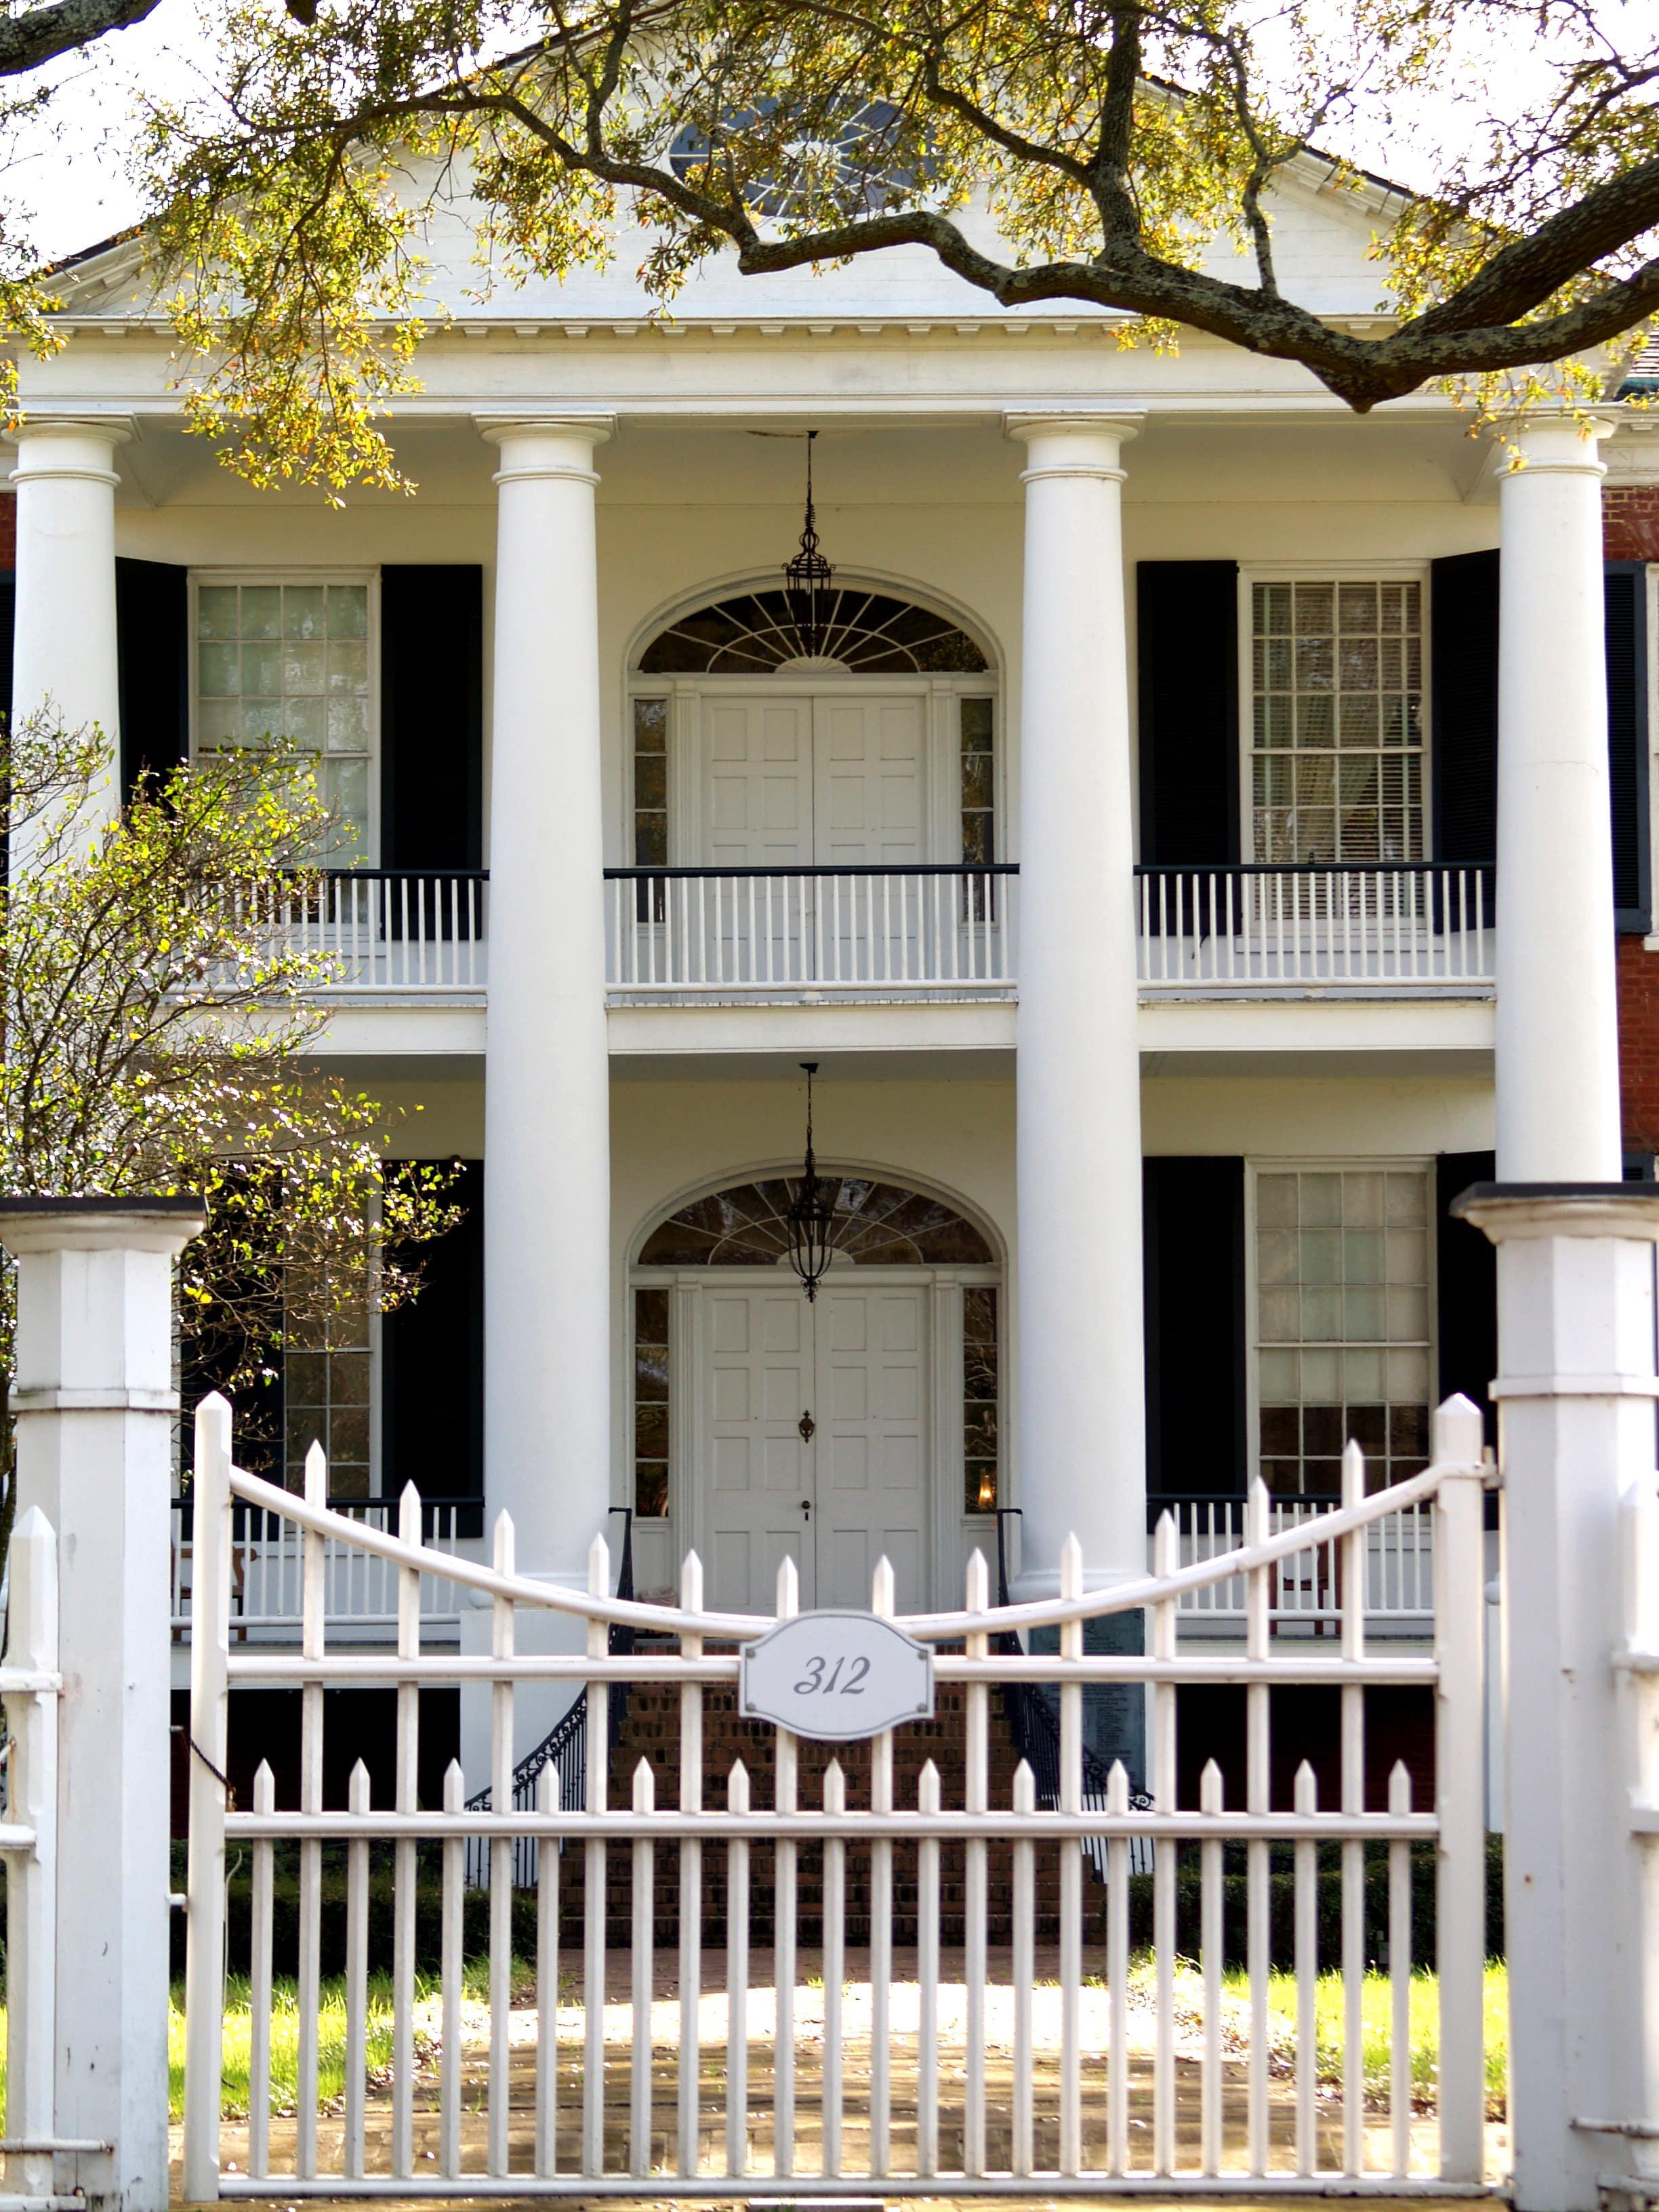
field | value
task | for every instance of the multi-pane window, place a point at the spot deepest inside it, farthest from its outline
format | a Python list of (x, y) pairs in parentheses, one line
[(326, 1375), (651, 783), (981, 1451), (292, 660), (1342, 1323), (650, 802), (1337, 721), (650, 1404), (979, 840)]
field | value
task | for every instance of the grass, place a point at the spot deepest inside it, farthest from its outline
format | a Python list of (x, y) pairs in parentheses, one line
[(1376, 2013)]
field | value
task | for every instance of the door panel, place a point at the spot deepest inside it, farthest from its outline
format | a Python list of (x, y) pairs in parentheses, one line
[(757, 813), (760, 1379), (871, 1441), (870, 784)]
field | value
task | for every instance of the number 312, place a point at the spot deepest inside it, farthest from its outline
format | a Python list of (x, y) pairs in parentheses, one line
[(818, 1683)]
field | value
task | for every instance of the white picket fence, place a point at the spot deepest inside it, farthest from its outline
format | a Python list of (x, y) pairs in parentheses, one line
[(763, 2067), (31, 1687)]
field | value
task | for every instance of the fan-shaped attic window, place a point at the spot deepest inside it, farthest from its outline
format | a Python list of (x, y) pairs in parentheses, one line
[(878, 1224), (868, 634)]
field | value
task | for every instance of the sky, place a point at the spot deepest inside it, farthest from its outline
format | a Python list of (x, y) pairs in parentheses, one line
[(72, 184)]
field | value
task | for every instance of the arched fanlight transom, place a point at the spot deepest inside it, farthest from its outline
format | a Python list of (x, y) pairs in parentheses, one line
[(867, 633), (877, 1224)]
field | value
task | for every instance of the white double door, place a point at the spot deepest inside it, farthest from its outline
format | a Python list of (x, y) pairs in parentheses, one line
[(832, 780), (816, 1435), (835, 779)]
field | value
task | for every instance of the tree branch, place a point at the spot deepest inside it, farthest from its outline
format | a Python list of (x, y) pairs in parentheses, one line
[(27, 41)]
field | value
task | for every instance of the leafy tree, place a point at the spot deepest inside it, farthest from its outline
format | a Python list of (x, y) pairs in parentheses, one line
[(1124, 153), (158, 1000)]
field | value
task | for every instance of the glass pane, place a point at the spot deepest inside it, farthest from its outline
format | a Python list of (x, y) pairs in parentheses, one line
[(348, 667), (348, 726), (261, 672), (302, 668), (303, 615), (218, 670), (262, 610), (650, 725), (215, 610), (348, 611), (976, 726)]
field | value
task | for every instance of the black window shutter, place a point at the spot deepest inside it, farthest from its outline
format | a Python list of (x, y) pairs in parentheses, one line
[(1624, 586), (1188, 660), (432, 717), (152, 634), (8, 623), (1193, 1257), (1467, 1269), (1463, 706), (432, 1366)]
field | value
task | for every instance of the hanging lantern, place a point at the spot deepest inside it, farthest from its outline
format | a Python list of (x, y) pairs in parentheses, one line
[(807, 580), (811, 1216)]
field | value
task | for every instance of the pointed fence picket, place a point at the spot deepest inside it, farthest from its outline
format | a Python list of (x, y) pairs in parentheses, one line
[(744, 2060)]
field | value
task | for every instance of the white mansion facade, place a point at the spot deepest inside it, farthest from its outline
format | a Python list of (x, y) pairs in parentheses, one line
[(1153, 853)]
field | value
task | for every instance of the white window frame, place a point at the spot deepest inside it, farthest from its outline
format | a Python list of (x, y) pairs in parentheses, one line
[(1318, 572), (370, 856), (1404, 1162)]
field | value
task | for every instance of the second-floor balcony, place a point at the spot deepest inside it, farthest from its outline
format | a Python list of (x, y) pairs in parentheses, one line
[(914, 931)]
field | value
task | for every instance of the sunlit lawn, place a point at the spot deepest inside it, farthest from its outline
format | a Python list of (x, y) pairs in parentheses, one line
[(330, 2069)]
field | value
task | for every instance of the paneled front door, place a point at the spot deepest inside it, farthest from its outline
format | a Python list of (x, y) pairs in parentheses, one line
[(817, 1441)]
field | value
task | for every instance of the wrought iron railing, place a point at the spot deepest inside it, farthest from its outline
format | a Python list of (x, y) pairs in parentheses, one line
[(564, 1747), (1035, 1727)]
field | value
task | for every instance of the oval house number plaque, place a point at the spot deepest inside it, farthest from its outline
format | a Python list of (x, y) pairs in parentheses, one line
[(835, 1676)]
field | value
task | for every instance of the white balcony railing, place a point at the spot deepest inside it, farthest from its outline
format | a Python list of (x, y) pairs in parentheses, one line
[(897, 931), (267, 1569), (1411, 928), (1306, 1588), (388, 929), (1248, 929)]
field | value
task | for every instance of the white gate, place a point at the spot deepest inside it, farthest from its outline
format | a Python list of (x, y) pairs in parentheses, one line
[(30, 1688), (955, 2049)]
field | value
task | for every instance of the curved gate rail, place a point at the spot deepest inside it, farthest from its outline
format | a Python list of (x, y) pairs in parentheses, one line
[(749, 2074)]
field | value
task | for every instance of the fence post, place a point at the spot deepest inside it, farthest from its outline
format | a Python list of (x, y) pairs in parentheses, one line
[(210, 1710), (1459, 1794), (94, 1402), (32, 1882), (1576, 1406)]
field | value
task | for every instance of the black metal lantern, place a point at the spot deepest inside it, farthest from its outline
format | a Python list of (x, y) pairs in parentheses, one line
[(807, 579), (811, 1215)]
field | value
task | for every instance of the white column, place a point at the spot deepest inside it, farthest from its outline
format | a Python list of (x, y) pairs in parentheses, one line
[(1576, 1411), (64, 656), (547, 1093), (94, 1405), (1082, 1411), (1557, 1016)]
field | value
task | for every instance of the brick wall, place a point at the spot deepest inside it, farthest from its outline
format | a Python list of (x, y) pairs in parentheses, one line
[(1630, 532), (1630, 523)]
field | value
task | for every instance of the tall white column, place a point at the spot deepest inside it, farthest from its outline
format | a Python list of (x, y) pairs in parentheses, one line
[(1082, 1410), (1575, 1413), (547, 1102), (1556, 1016), (94, 1405), (63, 654)]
